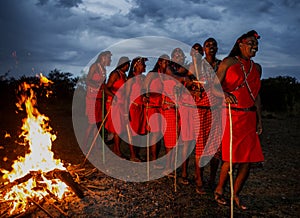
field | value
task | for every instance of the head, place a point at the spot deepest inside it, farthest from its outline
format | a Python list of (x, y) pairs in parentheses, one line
[(178, 56), (196, 50), (123, 63), (246, 45), (137, 66), (162, 63), (210, 47), (104, 58)]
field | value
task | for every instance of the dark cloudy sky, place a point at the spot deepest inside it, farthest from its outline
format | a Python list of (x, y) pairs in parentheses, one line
[(43, 35)]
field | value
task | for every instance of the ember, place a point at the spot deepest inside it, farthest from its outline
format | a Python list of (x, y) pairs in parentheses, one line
[(38, 174)]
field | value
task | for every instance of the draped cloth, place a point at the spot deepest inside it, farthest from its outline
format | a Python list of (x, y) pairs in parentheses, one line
[(209, 130), (137, 116), (93, 100), (115, 122), (246, 145)]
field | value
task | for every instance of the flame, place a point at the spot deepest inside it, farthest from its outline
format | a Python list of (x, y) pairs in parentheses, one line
[(36, 132)]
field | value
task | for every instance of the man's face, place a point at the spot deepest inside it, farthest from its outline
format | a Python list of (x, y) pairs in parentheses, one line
[(249, 47), (211, 48), (107, 60), (178, 57)]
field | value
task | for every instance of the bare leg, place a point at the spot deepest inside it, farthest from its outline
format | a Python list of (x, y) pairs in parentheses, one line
[(223, 178), (184, 166), (199, 177), (116, 147), (88, 131), (242, 175), (214, 164)]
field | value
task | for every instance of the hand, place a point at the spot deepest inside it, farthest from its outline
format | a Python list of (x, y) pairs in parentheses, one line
[(126, 118), (230, 98), (146, 99), (259, 128), (115, 100)]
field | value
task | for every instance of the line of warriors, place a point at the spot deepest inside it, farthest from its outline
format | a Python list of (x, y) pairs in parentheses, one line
[(173, 103)]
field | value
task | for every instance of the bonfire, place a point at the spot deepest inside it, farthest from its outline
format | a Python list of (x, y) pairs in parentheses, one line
[(38, 174)]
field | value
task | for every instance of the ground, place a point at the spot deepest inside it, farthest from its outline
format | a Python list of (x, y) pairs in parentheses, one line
[(272, 189)]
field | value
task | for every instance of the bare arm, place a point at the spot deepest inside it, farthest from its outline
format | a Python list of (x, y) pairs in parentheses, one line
[(89, 79), (128, 88), (220, 76), (112, 78), (258, 107)]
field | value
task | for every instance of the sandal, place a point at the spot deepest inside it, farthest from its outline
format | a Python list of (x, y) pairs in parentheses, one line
[(238, 203), (219, 198), (200, 190), (135, 159), (169, 174), (183, 181)]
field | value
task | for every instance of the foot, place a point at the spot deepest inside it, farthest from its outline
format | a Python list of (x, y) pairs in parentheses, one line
[(238, 203), (219, 198), (135, 159), (200, 190), (169, 174), (183, 180)]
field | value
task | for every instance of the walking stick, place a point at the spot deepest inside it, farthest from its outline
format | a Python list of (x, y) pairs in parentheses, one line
[(148, 142), (103, 136), (196, 68), (176, 135), (95, 138), (230, 161), (129, 134)]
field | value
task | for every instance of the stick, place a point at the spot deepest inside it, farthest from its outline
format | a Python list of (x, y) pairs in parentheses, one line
[(148, 144), (95, 138), (39, 206), (176, 148), (56, 207), (129, 135), (196, 67), (103, 108), (230, 162)]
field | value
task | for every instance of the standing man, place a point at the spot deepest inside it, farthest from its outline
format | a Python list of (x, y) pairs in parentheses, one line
[(95, 81), (240, 79)]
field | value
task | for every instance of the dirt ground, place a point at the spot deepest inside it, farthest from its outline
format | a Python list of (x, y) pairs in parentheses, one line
[(272, 190)]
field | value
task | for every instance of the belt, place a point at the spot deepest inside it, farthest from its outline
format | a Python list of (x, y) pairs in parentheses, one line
[(252, 108), (153, 107), (93, 90), (136, 104)]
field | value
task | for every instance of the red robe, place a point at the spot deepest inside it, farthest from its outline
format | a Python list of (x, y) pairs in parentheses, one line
[(137, 114), (245, 142), (94, 98), (115, 122)]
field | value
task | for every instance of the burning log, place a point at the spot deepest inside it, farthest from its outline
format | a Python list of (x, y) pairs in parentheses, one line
[(39, 206), (68, 179)]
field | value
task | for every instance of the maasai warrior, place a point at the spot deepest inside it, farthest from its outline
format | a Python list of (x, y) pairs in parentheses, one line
[(154, 86), (240, 79), (208, 132), (188, 111), (175, 73), (115, 102), (95, 81), (135, 103)]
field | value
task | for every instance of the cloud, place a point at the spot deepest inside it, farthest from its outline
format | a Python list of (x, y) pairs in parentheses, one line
[(69, 33)]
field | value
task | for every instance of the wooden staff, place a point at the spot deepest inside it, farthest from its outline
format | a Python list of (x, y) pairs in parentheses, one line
[(103, 133), (95, 138), (196, 67), (148, 143), (230, 161), (129, 134), (176, 145)]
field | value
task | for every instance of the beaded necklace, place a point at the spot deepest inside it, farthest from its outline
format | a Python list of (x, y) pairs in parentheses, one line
[(246, 76)]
